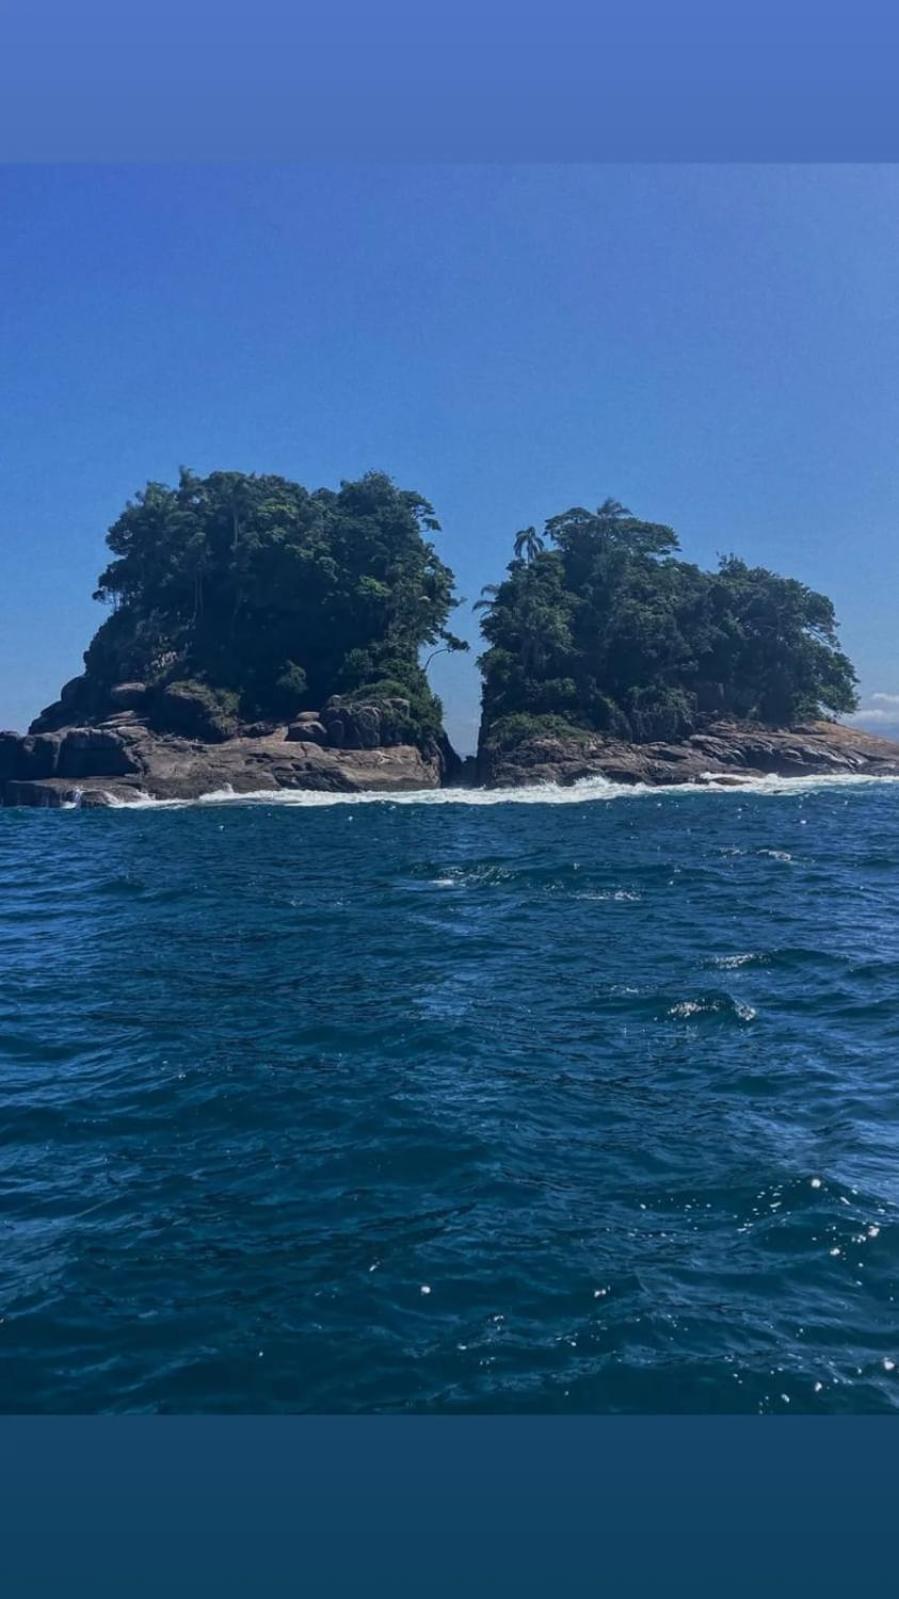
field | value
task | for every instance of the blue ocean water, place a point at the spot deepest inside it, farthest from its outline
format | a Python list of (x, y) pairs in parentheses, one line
[(583, 1102)]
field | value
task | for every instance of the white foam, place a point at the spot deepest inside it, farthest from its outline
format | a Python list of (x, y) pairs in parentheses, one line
[(589, 789)]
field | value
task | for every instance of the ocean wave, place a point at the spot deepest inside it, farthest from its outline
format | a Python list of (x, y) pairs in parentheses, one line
[(715, 1005), (587, 790)]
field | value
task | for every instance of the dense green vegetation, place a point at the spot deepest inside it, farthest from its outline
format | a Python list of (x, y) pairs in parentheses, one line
[(252, 596), (599, 625), (239, 598)]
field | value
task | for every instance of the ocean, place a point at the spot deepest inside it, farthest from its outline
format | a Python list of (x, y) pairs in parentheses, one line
[(567, 1101)]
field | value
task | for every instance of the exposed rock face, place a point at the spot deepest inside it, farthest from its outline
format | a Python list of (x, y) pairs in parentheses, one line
[(124, 759), (723, 749)]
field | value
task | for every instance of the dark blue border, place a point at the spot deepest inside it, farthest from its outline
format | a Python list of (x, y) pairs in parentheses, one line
[(554, 1508)]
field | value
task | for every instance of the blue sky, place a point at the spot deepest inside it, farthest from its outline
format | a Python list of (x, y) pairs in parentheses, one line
[(716, 346)]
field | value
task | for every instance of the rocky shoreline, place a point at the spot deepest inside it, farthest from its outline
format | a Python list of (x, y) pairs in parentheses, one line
[(343, 750), (723, 752)]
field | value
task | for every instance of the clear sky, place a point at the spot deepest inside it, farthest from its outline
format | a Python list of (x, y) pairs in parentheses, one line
[(717, 347)]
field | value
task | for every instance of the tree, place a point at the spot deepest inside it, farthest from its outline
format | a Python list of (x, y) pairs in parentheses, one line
[(262, 589), (528, 544), (611, 629)]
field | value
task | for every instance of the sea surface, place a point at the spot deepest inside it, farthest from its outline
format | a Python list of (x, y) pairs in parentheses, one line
[(581, 1101)]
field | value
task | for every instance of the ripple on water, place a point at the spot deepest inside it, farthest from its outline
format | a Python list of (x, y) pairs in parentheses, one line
[(495, 1102)]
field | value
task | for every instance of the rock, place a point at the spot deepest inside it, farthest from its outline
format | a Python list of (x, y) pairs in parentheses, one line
[(358, 725), (97, 766), (76, 704), (38, 755), (10, 755), (48, 793), (461, 772), (745, 750), (128, 696), (313, 732), (94, 752), (95, 799)]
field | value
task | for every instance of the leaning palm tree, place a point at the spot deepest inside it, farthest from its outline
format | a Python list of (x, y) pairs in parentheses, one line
[(528, 544), (485, 604)]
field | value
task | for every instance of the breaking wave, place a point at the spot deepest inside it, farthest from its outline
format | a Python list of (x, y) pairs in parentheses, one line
[(587, 790)]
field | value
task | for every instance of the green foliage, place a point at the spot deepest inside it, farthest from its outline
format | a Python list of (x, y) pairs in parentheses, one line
[(258, 586), (509, 731), (290, 689), (610, 629), (196, 710)]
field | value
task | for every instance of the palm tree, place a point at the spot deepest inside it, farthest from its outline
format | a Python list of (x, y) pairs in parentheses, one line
[(484, 604), (612, 511), (528, 543)]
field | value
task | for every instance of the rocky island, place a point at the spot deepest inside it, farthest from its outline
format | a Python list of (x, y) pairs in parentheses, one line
[(608, 655), (265, 637), (261, 636)]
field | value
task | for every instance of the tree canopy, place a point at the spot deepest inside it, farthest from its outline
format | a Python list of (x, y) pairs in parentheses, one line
[(257, 598), (274, 595), (610, 630)]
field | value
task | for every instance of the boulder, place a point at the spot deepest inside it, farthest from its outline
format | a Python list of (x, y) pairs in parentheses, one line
[(313, 732), (94, 752), (358, 725), (76, 703)]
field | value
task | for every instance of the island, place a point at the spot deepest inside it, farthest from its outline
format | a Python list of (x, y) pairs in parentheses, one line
[(261, 636), (609, 655), (264, 636)]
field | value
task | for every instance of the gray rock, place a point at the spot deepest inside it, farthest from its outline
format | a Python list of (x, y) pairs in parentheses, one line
[(94, 752), (312, 732), (815, 749), (359, 726), (120, 762)]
